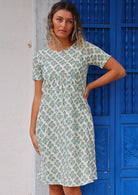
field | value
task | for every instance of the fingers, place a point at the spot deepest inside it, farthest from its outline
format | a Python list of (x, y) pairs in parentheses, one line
[(86, 94), (36, 147), (38, 152), (35, 144)]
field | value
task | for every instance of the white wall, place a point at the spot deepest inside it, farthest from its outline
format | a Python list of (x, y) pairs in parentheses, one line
[(17, 156)]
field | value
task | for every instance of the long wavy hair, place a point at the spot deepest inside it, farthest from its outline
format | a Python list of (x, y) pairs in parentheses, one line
[(76, 36)]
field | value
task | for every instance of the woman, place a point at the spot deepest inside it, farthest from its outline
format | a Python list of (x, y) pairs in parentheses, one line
[(61, 126)]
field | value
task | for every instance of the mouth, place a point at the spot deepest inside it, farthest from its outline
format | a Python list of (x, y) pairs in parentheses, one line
[(62, 31)]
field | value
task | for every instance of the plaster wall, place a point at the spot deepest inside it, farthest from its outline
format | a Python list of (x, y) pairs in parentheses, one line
[(17, 170)]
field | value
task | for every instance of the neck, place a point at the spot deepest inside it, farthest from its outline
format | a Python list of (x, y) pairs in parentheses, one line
[(64, 44)]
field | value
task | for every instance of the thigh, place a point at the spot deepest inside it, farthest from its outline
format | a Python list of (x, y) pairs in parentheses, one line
[(56, 187), (71, 190)]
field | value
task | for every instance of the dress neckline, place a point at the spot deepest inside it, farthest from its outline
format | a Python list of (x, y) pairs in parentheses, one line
[(61, 50)]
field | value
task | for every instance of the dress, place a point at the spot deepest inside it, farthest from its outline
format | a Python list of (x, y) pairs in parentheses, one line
[(64, 125)]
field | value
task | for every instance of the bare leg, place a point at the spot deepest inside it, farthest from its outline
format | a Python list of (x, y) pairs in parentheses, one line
[(72, 190), (56, 190)]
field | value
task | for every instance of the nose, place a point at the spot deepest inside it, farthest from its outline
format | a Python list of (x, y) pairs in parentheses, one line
[(63, 23)]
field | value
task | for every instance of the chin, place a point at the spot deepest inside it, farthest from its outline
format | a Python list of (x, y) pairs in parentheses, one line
[(62, 37)]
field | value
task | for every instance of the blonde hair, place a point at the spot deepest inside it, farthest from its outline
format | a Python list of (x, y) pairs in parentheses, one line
[(76, 35)]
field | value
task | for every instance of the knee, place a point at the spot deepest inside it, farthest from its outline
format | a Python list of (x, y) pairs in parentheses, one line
[(72, 190), (55, 188)]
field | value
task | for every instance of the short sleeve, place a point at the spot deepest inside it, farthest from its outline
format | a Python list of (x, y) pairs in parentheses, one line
[(37, 68), (95, 55)]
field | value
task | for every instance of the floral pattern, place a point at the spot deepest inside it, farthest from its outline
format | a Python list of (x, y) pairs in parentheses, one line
[(64, 126)]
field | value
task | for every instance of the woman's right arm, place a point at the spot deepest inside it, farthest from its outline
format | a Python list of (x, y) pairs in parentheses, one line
[(35, 109)]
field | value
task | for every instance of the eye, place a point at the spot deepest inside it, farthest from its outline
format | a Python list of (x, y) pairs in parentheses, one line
[(70, 21), (59, 19)]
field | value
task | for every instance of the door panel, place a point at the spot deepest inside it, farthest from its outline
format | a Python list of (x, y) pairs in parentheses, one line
[(113, 26), (127, 100)]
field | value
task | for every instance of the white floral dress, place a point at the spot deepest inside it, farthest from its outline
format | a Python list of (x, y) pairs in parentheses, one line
[(64, 126)]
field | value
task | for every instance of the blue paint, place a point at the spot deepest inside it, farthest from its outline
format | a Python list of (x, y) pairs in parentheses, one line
[(113, 26)]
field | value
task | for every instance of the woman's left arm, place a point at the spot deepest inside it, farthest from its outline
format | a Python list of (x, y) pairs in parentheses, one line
[(115, 72)]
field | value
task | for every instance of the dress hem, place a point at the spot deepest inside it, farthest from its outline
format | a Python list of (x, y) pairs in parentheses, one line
[(59, 183)]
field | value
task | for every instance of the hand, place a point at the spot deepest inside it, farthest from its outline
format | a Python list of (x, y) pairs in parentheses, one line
[(87, 91), (35, 143)]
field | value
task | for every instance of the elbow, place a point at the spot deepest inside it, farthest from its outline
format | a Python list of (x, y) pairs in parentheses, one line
[(122, 73)]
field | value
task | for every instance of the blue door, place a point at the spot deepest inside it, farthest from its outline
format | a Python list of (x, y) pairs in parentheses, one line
[(113, 26)]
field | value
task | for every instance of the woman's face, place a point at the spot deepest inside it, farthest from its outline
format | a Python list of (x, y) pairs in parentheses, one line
[(62, 24)]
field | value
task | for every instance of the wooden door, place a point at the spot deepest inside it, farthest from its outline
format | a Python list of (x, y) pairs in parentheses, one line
[(113, 26)]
